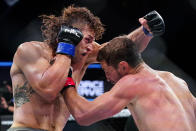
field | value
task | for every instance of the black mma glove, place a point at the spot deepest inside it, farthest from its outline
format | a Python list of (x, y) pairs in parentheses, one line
[(68, 37), (155, 23)]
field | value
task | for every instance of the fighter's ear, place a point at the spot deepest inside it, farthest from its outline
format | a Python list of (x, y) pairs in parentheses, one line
[(123, 67)]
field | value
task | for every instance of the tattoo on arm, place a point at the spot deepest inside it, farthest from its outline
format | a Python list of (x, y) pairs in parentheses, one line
[(22, 94)]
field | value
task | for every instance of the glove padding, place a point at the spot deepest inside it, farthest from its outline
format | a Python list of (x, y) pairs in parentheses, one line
[(69, 34), (155, 23), (68, 37)]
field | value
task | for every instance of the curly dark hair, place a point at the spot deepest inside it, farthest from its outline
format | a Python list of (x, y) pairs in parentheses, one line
[(70, 15)]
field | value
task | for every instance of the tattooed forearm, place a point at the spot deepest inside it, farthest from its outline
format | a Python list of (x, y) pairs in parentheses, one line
[(22, 94)]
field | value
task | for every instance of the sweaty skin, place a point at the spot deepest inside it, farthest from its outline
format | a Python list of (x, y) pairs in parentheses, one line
[(34, 108), (157, 100), (162, 92), (38, 77)]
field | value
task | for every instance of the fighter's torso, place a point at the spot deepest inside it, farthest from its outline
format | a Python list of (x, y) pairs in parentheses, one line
[(164, 105), (31, 110)]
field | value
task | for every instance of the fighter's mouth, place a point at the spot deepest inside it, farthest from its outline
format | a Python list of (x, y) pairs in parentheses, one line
[(83, 54)]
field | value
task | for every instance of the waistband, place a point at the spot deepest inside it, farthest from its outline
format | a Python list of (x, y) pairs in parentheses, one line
[(24, 129)]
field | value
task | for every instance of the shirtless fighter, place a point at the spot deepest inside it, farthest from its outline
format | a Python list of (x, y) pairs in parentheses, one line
[(157, 100), (40, 69)]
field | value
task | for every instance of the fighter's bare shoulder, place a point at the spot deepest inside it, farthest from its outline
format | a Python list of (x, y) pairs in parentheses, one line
[(28, 52), (27, 49), (131, 86), (172, 77), (136, 80)]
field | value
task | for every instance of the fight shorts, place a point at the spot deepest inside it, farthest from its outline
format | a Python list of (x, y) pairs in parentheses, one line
[(24, 129)]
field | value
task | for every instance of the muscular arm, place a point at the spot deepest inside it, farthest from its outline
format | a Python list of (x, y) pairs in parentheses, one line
[(140, 38), (102, 107), (136, 36), (153, 25), (47, 80)]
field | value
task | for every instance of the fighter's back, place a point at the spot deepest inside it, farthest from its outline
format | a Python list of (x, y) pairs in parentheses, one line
[(186, 100), (165, 104)]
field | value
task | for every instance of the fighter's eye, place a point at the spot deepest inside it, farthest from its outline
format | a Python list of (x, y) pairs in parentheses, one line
[(88, 40)]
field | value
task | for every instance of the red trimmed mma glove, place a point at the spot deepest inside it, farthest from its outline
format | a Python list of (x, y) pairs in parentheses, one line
[(69, 81), (155, 23), (68, 37)]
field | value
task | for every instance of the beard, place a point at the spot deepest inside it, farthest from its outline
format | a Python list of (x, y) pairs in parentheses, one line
[(118, 77)]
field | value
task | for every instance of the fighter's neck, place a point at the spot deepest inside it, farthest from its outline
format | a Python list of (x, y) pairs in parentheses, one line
[(139, 68), (77, 65)]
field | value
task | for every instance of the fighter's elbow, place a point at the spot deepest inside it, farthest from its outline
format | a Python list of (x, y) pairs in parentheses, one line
[(82, 120), (51, 96), (48, 95), (84, 124)]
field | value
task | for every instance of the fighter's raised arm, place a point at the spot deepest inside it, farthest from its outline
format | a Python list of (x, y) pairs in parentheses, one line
[(47, 79), (152, 24)]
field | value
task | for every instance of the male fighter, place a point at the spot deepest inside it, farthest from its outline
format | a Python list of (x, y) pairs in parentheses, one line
[(40, 69), (157, 100)]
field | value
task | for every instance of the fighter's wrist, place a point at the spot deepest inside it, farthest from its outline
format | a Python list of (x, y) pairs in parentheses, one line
[(69, 83), (65, 48), (67, 87), (146, 32)]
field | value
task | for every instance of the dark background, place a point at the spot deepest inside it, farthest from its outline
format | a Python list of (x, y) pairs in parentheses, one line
[(173, 51), (19, 23)]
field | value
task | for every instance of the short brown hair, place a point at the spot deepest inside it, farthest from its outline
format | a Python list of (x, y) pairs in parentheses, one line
[(70, 15), (120, 49)]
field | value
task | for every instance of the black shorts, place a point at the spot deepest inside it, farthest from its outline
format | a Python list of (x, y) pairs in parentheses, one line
[(24, 129)]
